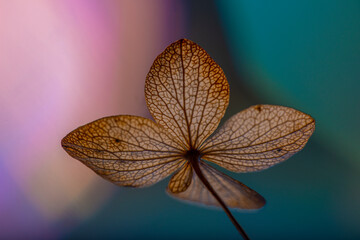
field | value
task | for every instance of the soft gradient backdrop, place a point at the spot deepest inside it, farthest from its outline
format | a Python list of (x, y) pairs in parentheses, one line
[(66, 63)]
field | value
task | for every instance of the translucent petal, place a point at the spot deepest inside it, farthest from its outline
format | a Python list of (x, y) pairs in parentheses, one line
[(258, 138), (233, 193), (187, 92), (126, 150), (182, 179)]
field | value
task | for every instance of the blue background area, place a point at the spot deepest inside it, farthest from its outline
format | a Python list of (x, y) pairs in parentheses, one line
[(302, 54)]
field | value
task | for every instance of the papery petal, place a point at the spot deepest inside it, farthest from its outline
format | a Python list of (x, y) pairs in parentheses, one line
[(187, 92), (232, 192), (258, 137), (126, 150), (181, 179)]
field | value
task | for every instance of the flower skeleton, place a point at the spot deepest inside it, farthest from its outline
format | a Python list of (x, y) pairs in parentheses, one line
[(187, 94)]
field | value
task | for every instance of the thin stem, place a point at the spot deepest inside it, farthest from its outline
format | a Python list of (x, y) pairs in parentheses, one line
[(196, 166)]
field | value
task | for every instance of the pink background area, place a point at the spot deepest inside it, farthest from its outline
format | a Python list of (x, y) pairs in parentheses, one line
[(63, 64)]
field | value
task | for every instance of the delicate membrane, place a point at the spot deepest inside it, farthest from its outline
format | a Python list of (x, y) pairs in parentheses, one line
[(232, 192), (258, 137), (127, 150), (181, 180), (187, 92)]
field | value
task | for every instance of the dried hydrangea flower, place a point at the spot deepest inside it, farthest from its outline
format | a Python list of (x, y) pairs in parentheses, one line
[(187, 94)]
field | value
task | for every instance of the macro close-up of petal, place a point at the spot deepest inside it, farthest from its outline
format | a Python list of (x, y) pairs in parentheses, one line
[(258, 137), (186, 185), (187, 92), (126, 150)]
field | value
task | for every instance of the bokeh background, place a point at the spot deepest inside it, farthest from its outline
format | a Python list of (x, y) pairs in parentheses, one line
[(65, 63)]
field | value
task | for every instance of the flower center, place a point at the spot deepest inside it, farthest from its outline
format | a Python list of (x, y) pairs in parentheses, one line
[(192, 155)]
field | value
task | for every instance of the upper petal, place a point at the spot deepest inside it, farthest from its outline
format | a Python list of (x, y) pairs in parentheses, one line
[(126, 150), (258, 138), (187, 92)]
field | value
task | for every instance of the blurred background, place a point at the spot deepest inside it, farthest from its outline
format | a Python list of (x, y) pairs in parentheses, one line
[(66, 63)]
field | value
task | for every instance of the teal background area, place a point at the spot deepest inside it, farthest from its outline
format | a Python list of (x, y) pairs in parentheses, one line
[(302, 54), (305, 53)]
